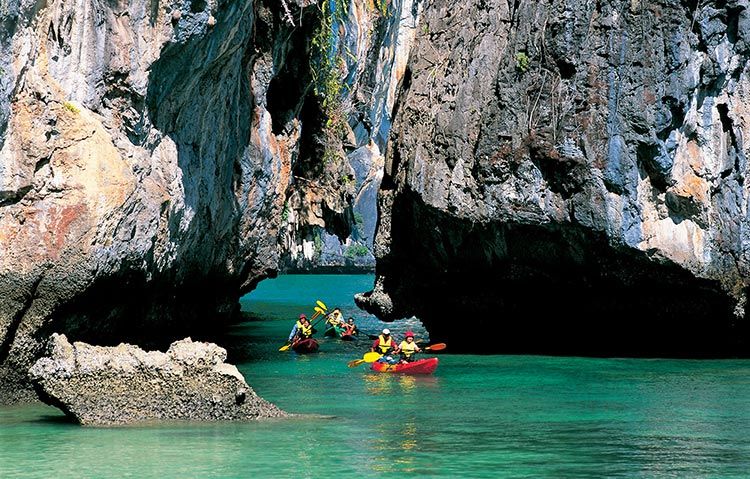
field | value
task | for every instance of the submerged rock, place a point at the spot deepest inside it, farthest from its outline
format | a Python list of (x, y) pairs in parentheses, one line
[(124, 384)]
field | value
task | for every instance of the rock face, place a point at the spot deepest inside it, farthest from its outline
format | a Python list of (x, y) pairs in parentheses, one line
[(371, 48), (99, 386), (578, 160), (157, 159)]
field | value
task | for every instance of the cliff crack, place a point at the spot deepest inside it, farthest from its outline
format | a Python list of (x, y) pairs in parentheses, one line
[(10, 334), (8, 198)]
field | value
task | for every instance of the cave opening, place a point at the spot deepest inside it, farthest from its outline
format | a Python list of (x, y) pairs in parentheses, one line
[(197, 5), (289, 88), (550, 289)]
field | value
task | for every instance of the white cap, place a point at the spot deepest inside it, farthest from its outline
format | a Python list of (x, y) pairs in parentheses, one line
[(386, 331)]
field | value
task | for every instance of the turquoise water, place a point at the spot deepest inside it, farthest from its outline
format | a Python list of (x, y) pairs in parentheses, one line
[(478, 416)]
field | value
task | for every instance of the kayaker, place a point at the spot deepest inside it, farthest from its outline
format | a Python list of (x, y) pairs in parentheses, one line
[(297, 326), (351, 328), (386, 346), (408, 348), (301, 330), (335, 318)]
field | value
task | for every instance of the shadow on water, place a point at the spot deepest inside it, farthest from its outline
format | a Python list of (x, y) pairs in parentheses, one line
[(477, 416), (53, 419)]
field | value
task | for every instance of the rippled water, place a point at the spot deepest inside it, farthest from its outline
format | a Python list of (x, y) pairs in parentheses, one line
[(478, 416)]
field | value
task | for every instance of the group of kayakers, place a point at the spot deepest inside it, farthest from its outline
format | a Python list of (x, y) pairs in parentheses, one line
[(387, 347), (336, 321), (386, 355), (391, 351), (302, 329)]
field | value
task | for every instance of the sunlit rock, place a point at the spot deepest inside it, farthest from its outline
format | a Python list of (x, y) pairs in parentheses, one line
[(124, 384)]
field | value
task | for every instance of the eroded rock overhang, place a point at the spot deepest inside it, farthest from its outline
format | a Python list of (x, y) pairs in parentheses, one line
[(570, 178)]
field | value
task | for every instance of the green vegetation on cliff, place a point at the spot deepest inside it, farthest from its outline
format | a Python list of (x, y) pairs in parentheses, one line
[(326, 67)]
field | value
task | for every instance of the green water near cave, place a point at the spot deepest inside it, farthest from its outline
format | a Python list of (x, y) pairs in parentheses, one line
[(477, 416)]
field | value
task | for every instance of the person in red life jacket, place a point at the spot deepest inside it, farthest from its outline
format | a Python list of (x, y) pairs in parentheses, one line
[(351, 328), (408, 348), (385, 345)]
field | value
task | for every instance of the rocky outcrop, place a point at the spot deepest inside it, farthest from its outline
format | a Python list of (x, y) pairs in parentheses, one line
[(126, 171), (157, 159), (579, 160), (101, 386)]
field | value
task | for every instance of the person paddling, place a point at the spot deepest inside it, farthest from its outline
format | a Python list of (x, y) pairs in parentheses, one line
[(335, 318), (301, 330), (408, 348), (385, 345), (351, 328)]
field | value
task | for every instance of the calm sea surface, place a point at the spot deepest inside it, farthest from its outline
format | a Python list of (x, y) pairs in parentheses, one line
[(477, 416)]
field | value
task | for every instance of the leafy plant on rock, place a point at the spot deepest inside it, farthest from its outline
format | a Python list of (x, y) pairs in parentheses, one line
[(327, 68), (522, 62), (71, 107), (317, 246), (359, 222), (356, 250)]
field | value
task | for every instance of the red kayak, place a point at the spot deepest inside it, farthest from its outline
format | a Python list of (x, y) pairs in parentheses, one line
[(422, 366), (304, 346)]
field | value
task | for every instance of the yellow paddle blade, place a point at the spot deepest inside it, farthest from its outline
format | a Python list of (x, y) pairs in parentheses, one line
[(355, 363), (285, 347), (322, 305), (371, 357), (319, 310)]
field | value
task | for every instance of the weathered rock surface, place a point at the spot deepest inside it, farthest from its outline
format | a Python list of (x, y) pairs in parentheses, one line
[(584, 160), (98, 386), (373, 47), (157, 159)]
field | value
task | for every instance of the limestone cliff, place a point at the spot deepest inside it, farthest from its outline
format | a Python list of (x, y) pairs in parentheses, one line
[(369, 52), (582, 160), (157, 159)]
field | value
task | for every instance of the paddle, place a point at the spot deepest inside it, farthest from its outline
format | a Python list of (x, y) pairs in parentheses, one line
[(317, 312), (370, 357), (319, 309)]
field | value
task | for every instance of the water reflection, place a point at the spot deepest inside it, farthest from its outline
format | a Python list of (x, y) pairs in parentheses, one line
[(378, 384), (396, 445), (409, 436)]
